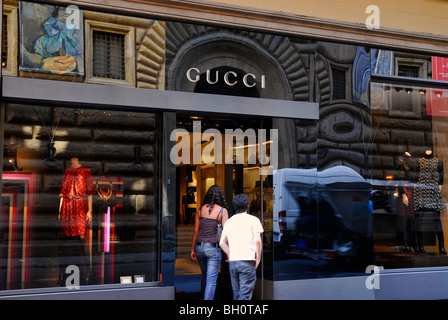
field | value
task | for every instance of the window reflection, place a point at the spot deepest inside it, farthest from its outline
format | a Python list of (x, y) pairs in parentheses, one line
[(323, 217), (409, 157), (73, 197)]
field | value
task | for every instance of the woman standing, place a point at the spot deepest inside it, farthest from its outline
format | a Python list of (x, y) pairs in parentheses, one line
[(205, 248)]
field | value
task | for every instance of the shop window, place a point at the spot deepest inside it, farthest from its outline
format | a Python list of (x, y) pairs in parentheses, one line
[(408, 166), (55, 161), (110, 53), (9, 41)]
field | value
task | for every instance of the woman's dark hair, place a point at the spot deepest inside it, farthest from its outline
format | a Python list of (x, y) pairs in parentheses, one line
[(214, 195), (240, 203)]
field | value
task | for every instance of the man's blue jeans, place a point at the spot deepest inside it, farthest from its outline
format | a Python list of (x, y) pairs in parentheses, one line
[(209, 259), (242, 276)]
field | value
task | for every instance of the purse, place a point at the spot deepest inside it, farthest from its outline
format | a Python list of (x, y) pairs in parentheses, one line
[(219, 227), (106, 193)]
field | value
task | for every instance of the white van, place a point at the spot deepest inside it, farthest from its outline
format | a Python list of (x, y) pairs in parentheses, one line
[(286, 209), (344, 218)]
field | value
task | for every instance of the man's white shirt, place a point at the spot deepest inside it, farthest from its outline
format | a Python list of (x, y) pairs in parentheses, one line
[(241, 230)]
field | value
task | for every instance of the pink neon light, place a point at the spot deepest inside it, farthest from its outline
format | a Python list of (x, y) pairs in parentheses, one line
[(27, 216), (107, 230), (12, 222)]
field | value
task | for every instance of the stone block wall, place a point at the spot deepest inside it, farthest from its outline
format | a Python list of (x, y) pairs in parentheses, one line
[(392, 137)]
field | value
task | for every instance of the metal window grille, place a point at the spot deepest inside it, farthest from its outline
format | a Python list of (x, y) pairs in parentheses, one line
[(339, 83), (408, 71), (109, 55), (5, 40)]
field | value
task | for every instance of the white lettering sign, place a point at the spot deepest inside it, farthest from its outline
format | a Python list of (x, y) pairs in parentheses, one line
[(230, 78)]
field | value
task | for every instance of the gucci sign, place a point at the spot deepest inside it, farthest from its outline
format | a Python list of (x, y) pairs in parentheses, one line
[(230, 78)]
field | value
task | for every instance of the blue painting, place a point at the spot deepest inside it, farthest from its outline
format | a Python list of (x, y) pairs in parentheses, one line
[(52, 39), (382, 62), (361, 77)]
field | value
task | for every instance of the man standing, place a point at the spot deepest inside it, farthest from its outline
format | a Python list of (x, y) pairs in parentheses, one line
[(241, 241)]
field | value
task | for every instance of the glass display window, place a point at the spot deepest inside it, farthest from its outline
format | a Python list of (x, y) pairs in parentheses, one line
[(408, 168), (79, 197)]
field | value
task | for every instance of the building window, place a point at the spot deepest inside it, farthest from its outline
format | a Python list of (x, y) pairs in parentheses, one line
[(110, 53), (339, 84), (402, 101), (9, 41), (409, 66), (398, 101), (408, 71), (340, 77), (5, 41), (407, 101)]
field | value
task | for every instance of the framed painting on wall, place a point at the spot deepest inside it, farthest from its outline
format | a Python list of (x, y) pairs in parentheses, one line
[(51, 39)]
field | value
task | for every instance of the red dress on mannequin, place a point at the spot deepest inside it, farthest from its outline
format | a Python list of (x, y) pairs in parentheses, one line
[(76, 187)]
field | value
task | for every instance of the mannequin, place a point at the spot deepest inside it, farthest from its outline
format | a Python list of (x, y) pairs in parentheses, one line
[(75, 207), (428, 197), (404, 206)]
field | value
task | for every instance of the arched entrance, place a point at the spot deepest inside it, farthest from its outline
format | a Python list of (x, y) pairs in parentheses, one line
[(213, 49), (220, 63)]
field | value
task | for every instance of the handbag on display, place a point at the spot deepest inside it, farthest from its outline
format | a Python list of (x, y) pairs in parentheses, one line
[(105, 193)]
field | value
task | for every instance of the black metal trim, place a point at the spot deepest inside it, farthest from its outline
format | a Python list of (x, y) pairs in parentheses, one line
[(408, 81)]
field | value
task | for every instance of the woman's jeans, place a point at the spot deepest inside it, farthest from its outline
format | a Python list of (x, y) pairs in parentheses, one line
[(209, 259), (242, 275)]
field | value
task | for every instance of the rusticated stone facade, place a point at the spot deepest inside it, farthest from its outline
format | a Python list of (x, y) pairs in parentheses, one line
[(296, 69)]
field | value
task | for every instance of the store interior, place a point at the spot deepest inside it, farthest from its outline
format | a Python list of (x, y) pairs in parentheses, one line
[(194, 179)]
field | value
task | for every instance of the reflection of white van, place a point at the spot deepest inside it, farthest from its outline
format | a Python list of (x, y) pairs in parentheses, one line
[(286, 209), (344, 215)]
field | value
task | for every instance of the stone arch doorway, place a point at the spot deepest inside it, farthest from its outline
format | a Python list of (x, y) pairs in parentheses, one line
[(285, 68), (217, 52), (223, 50)]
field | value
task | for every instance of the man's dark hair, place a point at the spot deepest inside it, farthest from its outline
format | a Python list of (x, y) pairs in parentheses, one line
[(240, 203)]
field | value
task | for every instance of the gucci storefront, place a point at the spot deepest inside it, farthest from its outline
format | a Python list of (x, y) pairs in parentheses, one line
[(342, 156)]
